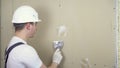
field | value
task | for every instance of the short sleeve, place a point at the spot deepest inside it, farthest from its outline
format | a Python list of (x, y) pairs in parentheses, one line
[(29, 57)]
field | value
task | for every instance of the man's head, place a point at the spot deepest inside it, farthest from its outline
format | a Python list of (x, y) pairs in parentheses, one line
[(25, 19), (27, 28)]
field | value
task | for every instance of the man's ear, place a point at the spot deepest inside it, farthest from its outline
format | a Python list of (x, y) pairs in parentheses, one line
[(28, 26)]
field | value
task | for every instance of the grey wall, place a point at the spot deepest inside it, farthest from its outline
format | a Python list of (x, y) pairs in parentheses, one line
[(90, 25), (0, 33), (6, 26), (119, 35)]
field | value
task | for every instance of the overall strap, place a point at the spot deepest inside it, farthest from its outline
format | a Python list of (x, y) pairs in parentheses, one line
[(7, 52)]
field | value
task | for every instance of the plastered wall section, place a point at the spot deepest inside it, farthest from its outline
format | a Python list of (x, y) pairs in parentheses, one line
[(90, 31)]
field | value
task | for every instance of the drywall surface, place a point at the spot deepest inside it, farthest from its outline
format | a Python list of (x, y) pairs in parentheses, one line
[(89, 41)]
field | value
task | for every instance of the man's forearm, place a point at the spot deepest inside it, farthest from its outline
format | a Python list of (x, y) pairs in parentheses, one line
[(53, 65)]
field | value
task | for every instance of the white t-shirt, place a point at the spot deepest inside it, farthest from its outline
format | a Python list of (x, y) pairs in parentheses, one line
[(23, 56)]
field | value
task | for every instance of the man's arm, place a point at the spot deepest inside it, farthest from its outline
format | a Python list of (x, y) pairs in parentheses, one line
[(53, 65)]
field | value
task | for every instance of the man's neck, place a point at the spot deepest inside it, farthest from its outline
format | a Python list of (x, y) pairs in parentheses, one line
[(21, 35)]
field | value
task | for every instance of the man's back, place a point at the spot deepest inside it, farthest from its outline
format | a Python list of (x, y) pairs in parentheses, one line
[(23, 56)]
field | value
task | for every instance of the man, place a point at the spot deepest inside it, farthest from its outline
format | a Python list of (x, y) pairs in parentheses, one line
[(25, 19)]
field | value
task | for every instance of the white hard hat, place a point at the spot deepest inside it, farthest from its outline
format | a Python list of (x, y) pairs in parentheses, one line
[(25, 14)]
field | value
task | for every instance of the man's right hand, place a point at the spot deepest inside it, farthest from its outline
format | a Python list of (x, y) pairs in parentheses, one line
[(57, 57)]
